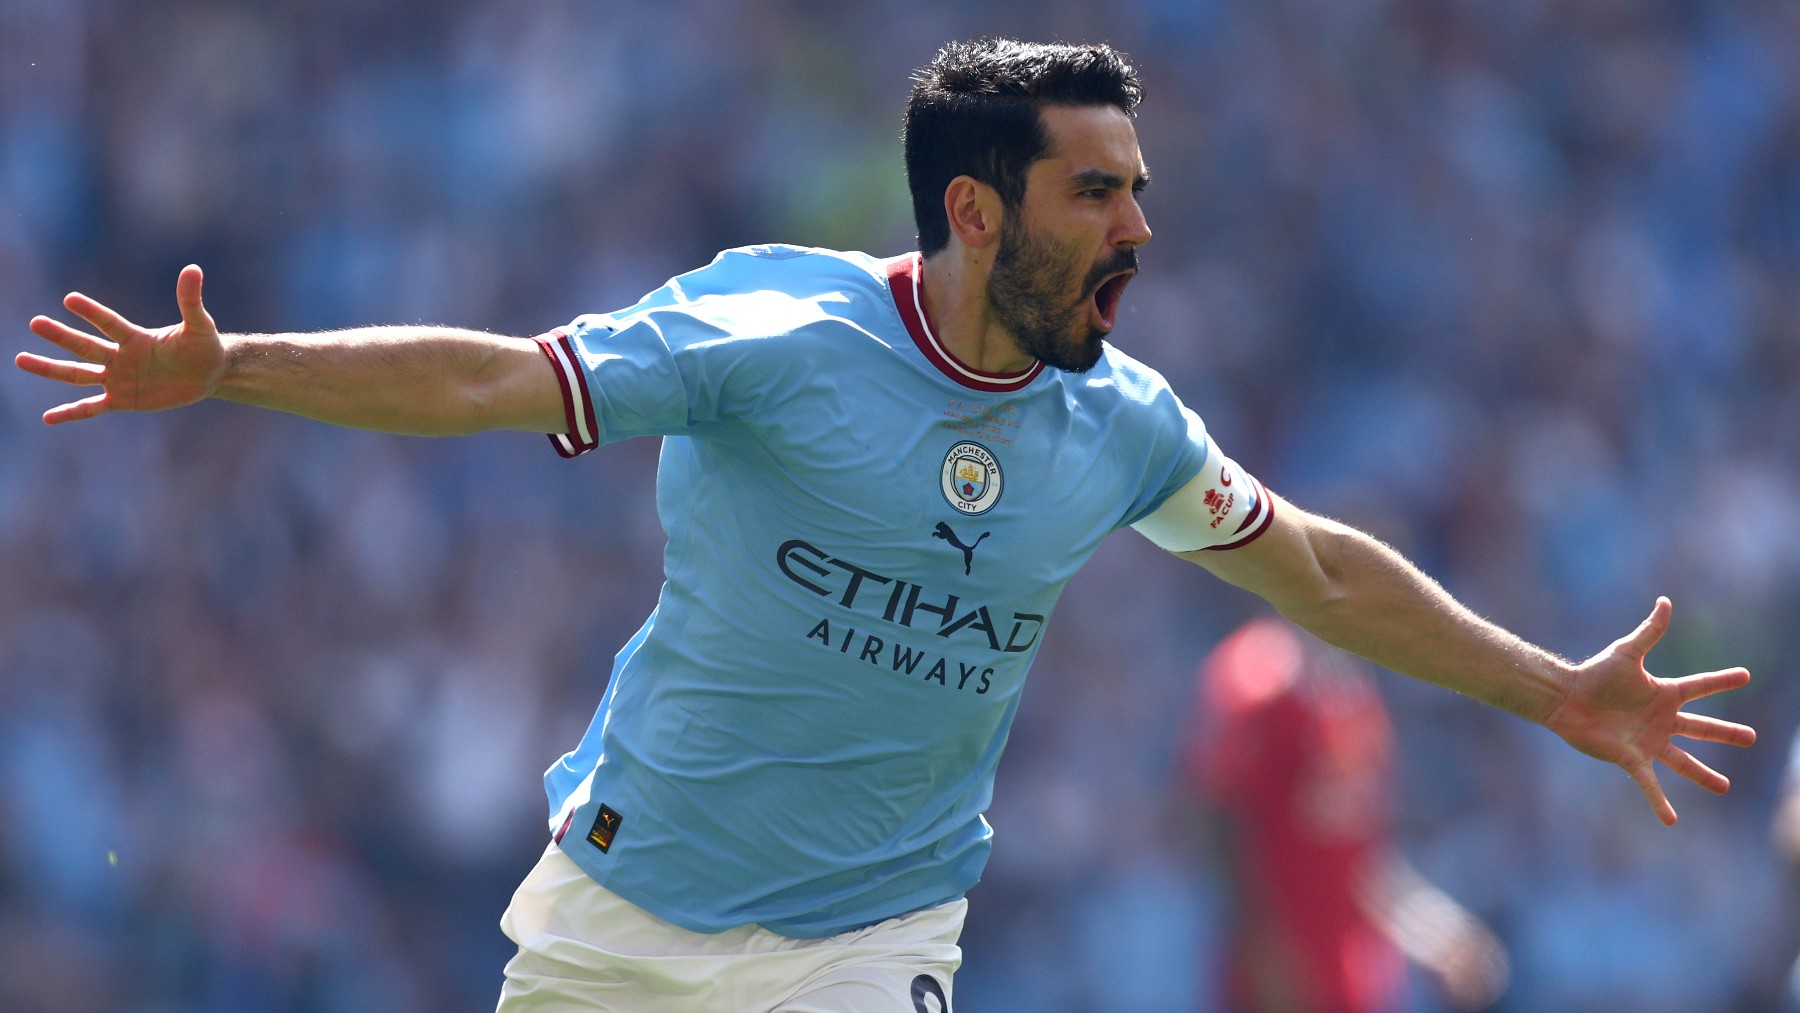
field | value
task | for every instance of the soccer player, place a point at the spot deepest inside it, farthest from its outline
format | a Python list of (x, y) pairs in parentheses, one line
[(876, 476), (1290, 746), (1786, 834)]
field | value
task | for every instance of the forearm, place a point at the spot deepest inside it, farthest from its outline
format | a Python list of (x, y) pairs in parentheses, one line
[(1369, 600), (416, 380), (1350, 590)]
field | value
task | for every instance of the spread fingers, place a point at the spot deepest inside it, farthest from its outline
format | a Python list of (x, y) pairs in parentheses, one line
[(77, 343), (103, 317), (81, 374), (1710, 729), (1683, 763)]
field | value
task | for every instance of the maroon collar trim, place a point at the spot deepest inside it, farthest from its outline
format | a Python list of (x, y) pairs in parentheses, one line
[(906, 280)]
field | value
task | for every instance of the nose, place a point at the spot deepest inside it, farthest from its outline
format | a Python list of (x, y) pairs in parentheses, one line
[(1134, 229)]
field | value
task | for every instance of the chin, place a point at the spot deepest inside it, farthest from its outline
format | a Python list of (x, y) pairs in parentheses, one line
[(1079, 358)]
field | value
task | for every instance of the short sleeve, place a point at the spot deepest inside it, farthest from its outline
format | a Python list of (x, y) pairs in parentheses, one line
[(1149, 426), (1221, 507), (625, 378), (687, 353)]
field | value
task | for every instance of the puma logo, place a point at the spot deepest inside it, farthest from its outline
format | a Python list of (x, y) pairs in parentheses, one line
[(943, 531)]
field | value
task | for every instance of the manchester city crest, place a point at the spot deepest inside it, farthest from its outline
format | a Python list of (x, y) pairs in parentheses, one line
[(971, 478)]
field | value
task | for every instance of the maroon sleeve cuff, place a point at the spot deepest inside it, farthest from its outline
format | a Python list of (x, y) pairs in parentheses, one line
[(583, 434)]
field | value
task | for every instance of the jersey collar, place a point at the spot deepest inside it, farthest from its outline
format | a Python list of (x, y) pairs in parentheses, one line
[(906, 280)]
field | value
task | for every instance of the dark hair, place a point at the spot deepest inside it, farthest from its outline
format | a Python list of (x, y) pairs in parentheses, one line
[(973, 111)]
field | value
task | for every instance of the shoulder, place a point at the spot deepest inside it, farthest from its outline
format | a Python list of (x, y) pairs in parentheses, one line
[(756, 304), (1121, 376), (1120, 383), (1135, 410), (764, 291), (795, 271)]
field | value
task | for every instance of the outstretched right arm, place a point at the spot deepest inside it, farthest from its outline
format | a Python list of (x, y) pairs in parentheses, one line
[(418, 380)]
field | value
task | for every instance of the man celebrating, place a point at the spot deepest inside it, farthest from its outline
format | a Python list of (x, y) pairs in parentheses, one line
[(876, 477)]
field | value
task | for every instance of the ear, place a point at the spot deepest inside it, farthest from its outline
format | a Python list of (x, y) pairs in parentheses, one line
[(975, 212)]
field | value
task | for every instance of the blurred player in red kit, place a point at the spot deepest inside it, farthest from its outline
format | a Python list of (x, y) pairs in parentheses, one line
[(1290, 746), (1787, 845)]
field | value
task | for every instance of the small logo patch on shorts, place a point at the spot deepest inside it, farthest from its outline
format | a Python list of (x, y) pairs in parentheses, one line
[(606, 824), (925, 985)]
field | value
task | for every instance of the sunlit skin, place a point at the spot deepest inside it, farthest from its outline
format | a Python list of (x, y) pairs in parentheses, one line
[(141, 369), (1044, 283), (1047, 295)]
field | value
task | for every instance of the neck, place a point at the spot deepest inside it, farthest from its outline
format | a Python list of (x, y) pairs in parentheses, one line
[(957, 311)]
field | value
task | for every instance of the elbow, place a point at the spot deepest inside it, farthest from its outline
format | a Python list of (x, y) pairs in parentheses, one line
[(1326, 591), (472, 405)]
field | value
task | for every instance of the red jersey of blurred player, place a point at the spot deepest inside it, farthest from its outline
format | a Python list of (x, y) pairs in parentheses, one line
[(1291, 745), (1294, 752)]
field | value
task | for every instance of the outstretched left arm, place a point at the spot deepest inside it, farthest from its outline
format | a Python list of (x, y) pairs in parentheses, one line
[(1352, 591)]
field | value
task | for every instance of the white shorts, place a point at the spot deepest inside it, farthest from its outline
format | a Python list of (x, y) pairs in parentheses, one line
[(582, 947)]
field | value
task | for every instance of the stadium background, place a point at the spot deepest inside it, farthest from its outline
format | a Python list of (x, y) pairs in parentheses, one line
[(1514, 283)]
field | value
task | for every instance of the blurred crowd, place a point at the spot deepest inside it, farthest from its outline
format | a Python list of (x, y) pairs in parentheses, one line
[(1514, 284)]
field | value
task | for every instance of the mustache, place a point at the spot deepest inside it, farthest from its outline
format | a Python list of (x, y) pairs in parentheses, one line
[(1122, 260)]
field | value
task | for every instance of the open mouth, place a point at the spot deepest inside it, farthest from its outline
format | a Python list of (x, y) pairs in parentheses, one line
[(1107, 297)]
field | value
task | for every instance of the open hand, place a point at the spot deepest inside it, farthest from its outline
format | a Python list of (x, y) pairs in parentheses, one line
[(136, 368), (1617, 711)]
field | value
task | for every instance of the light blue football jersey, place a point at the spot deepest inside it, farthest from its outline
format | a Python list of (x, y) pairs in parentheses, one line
[(865, 541)]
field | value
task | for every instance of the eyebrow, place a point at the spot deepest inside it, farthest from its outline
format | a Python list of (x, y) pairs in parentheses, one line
[(1091, 178)]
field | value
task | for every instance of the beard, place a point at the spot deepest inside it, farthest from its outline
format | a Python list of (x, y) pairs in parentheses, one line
[(1034, 294)]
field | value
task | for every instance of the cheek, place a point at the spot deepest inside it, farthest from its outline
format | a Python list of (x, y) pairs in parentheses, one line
[(1066, 264)]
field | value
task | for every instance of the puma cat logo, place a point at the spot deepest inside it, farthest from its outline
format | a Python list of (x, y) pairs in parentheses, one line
[(943, 531)]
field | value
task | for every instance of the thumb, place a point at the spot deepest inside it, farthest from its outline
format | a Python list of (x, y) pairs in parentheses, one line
[(187, 297), (1639, 641)]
